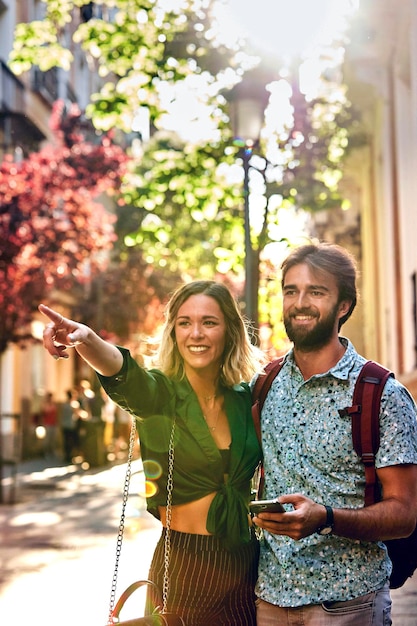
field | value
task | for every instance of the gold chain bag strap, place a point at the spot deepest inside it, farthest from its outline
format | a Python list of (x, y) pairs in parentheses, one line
[(160, 617)]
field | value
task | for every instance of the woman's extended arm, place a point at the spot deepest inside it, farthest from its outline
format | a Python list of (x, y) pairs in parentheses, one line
[(62, 333)]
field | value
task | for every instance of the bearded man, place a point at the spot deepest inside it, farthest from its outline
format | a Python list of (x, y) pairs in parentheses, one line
[(323, 562)]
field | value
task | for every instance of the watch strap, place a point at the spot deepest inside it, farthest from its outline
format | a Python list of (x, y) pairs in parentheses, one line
[(329, 516), (327, 527)]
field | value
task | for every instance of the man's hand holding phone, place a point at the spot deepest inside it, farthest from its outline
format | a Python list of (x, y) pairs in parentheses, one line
[(265, 506), (301, 519)]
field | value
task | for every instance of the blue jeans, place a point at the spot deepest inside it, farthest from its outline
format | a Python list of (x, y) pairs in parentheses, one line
[(373, 609)]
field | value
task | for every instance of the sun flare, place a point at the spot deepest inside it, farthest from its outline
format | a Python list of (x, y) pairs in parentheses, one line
[(284, 29)]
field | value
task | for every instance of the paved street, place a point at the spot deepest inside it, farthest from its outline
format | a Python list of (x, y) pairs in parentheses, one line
[(58, 545)]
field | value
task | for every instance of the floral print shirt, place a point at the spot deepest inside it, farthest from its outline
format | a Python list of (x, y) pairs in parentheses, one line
[(308, 449)]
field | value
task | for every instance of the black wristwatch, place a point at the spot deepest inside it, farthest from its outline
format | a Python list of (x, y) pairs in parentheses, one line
[(327, 527)]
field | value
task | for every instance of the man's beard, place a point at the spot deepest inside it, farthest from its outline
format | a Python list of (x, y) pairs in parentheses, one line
[(317, 337)]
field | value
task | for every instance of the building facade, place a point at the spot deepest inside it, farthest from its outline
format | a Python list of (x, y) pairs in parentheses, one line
[(26, 375), (381, 72)]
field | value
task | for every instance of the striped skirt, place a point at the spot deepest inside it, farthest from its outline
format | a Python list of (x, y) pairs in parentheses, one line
[(208, 585)]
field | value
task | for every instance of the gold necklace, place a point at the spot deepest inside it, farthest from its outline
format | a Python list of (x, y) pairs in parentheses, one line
[(212, 408), (212, 428)]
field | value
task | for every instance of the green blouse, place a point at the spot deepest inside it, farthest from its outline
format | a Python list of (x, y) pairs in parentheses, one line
[(198, 471)]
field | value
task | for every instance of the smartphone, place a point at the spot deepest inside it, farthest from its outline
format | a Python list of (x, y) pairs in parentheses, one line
[(265, 506)]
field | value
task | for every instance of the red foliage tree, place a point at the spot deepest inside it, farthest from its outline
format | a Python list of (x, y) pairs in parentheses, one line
[(52, 231)]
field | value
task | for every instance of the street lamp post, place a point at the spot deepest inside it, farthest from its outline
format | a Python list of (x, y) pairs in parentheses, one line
[(247, 101), (250, 312)]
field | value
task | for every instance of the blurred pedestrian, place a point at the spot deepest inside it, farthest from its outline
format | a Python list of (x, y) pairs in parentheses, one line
[(49, 420), (69, 425), (108, 413)]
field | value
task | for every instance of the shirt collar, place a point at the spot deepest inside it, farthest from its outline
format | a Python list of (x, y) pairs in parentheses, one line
[(342, 368)]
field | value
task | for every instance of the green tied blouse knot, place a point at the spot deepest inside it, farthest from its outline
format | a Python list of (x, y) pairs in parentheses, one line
[(154, 399), (228, 517)]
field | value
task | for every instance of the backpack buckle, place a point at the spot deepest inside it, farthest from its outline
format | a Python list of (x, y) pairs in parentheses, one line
[(368, 458)]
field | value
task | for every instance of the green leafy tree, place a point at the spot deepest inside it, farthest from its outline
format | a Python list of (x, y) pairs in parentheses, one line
[(181, 205), (184, 209), (140, 51), (134, 46), (301, 172), (181, 211)]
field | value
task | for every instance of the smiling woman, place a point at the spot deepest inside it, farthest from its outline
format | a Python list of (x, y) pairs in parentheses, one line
[(198, 405)]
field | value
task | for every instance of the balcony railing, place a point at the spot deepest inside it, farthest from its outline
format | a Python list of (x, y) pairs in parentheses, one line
[(16, 128), (12, 91), (46, 83)]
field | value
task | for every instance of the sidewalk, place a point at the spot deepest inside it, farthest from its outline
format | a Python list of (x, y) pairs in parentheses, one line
[(58, 547)]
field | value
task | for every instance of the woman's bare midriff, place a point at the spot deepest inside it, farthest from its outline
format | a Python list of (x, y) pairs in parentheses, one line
[(190, 517)]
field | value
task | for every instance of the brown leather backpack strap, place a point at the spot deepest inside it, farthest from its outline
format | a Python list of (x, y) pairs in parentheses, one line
[(364, 414), (260, 389), (259, 392)]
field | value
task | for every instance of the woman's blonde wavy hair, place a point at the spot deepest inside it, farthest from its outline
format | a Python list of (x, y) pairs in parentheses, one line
[(241, 359)]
